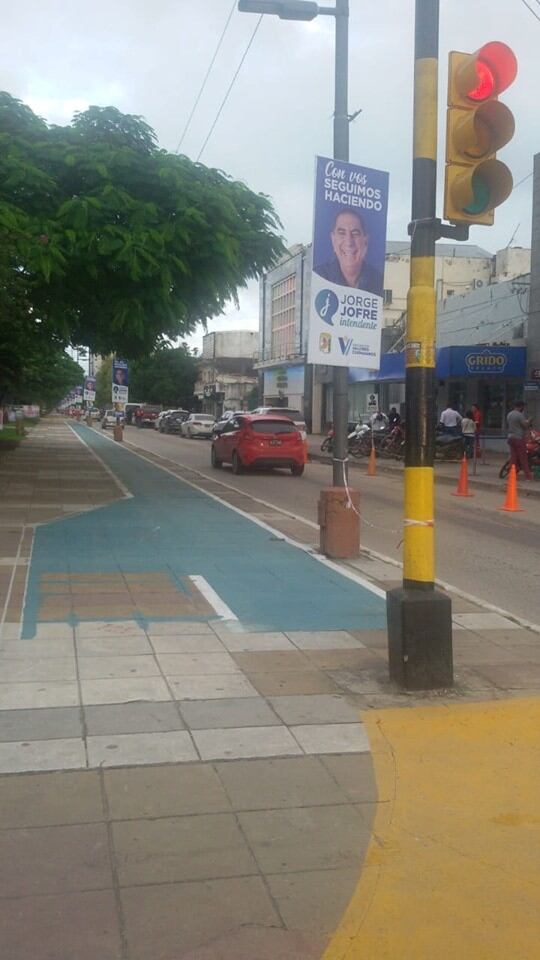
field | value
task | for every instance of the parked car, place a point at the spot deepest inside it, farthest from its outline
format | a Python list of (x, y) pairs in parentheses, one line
[(220, 424), (253, 440), (111, 418), (174, 420), (159, 421), (146, 415), (198, 425), (95, 414), (129, 410), (294, 415)]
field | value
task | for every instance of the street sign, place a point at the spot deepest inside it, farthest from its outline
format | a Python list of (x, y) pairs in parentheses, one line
[(349, 236), (531, 386), (372, 403)]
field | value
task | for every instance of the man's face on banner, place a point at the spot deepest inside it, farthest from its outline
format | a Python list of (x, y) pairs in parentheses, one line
[(350, 244)]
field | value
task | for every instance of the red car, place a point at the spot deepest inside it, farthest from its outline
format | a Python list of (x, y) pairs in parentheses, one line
[(256, 440)]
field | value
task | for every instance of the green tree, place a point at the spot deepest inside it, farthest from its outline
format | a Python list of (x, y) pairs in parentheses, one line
[(103, 383), (116, 243), (166, 377)]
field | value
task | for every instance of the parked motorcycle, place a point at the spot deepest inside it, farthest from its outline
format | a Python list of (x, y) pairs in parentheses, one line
[(533, 454), (327, 445), (448, 446), (353, 439)]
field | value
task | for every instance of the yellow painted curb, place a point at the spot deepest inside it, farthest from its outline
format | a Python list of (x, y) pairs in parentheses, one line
[(453, 868)]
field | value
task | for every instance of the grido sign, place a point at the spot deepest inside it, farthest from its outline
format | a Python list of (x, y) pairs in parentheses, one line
[(484, 362), (349, 240)]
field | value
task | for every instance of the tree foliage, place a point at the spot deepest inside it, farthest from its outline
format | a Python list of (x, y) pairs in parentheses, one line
[(166, 377), (115, 243)]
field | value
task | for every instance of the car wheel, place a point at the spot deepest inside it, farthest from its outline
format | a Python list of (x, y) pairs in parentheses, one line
[(189, 434), (236, 464), (216, 463), (297, 470)]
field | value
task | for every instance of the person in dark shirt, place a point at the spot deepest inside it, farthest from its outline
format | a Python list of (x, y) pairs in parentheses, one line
[(349, 268), (394, 418)]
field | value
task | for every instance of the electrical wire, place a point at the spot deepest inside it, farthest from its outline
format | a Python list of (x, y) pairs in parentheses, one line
[(208, 72), (231, 85), (524, 2), (529, 175)]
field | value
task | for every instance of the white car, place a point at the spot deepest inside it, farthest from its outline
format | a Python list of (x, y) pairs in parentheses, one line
[(198, 425), (111, 418), (293, 415)]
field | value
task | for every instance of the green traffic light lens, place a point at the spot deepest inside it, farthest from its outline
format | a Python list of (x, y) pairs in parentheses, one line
[(481, 196)]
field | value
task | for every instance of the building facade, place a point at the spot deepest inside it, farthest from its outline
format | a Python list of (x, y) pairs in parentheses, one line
[(226, 378)]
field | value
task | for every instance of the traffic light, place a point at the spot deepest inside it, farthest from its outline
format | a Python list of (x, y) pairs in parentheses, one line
[(477, 126)]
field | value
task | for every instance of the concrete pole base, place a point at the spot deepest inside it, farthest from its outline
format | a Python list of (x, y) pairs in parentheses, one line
[(420, 639), (118, 432), (339, 523)]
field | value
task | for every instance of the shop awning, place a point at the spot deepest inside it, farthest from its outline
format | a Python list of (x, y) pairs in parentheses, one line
[(463, 362)]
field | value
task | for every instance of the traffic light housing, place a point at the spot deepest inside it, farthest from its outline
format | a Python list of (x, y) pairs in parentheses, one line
[(477, 126)]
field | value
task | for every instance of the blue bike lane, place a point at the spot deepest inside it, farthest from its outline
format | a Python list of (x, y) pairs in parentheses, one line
[(174, 531)]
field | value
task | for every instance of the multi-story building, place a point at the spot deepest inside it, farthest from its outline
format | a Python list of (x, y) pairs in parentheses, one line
[(226, 379), (286, 378)]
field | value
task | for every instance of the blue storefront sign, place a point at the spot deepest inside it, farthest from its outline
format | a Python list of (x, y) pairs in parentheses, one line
[(463, 362)]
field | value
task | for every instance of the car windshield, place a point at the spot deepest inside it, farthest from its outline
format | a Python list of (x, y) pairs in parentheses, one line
[(272, 426)]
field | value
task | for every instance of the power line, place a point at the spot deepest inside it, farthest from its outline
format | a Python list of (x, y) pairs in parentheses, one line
[(231, 85), (534, 13), (208, 72), (529, 175)]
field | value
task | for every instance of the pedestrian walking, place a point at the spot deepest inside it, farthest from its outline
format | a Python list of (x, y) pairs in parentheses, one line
[(450, 421), (518, 425), (479, 422), (468, 430)]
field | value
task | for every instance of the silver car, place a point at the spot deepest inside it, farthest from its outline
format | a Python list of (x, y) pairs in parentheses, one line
[(198, 425)]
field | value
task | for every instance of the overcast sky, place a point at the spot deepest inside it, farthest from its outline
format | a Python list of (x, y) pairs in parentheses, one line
[(150, 58)]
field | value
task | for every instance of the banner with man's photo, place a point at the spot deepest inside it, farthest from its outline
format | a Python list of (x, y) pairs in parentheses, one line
[(120, 381), (349, 243), (89, 389)]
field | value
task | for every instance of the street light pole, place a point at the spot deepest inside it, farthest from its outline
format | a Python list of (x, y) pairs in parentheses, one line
[(306, 10), (341, 152)]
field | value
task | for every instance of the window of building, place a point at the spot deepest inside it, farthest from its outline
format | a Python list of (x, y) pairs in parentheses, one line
[(449, 293), (387, 297), (283, 319)]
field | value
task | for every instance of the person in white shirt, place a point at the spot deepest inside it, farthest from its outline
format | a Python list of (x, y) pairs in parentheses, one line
[(450, 420), (468, 430)]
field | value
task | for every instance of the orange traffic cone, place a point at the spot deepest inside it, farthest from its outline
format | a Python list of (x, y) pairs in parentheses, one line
[(372, 463), (511, 504), (463, 482)]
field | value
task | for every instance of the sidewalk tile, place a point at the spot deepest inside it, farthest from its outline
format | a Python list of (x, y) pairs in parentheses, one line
[(318, 708), (178, 628), (35, 669), (55, 860), (45, 724), (53, 631), (10, 631), (292, 684), (355, 775), (364, 659), (197, 643), (227, 686), (242, 742), (114, 646), (141, 717), (98, 668), (22, 756), (36, 649), (220, 714), (332, 738), (270, 784), (50, 799), (269, 662), (126, 749), (314, 900), (21, 696), (106, 628), (166, 791), (250, 642), (511, 676), (310, 838), (180, 848), (483, 621), (68, 925), (124, 690), (158, 930), (196, 664), (324, 640)]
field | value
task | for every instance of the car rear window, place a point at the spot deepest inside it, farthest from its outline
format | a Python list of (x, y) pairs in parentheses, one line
[(272, 426), (202, 418), (285, 412)]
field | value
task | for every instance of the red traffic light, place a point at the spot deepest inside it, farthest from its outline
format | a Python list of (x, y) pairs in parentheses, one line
[(488, 72)]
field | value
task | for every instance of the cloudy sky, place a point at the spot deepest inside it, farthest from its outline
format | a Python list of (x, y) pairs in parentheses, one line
[(150, 58)]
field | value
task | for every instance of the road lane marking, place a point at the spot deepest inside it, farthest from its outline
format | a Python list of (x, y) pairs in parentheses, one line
[(213, 598)]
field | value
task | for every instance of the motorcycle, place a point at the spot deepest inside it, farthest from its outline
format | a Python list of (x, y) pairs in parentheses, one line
[(533, 454), (353, 439), (448, 446), (327, 445)]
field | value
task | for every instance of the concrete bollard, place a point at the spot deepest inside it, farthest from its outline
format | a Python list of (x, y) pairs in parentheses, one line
[(118, 432), (339, 523)]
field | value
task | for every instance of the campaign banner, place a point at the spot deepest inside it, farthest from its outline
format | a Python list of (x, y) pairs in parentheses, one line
[(89, 389), (120, 381), (78, 395), (349, 243)]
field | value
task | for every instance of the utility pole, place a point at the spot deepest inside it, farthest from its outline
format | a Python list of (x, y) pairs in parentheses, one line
[(341, 152), (419, 616)]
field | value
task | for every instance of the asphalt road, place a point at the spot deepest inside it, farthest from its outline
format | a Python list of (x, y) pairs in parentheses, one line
[(480, 549)]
